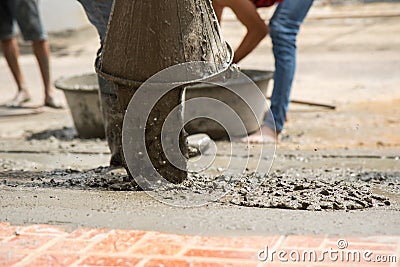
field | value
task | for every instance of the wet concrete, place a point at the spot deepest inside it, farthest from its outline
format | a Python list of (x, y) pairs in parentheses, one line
[(341, 191), (307, 179), (352, 201), (136, 210), (296, 189), (322, 189)]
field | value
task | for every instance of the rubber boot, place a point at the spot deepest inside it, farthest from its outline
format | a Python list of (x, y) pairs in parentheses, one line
[(113, 118)]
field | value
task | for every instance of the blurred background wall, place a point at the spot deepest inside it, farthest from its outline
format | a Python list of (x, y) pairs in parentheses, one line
[(60, 15)]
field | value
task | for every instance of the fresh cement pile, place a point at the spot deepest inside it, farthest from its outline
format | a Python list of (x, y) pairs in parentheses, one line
[(304, 189), (308, 190)]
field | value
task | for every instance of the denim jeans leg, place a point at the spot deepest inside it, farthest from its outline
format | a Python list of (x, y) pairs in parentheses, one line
[(98, 13), (284, 25)]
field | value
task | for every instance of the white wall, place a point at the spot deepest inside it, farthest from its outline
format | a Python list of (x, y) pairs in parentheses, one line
[(60, 15)]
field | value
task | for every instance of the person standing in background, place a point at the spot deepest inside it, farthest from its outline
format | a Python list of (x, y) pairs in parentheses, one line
[(26, 14), (284, 28)]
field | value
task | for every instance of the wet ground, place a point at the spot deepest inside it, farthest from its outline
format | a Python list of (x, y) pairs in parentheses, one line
[(335, 172), (51, 176), (305, 189), (335, 192)]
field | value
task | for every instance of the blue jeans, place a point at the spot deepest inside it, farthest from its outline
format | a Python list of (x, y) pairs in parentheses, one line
[(98, 13), (284, 27)]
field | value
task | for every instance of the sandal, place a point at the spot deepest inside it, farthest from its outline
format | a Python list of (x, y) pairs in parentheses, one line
[(19, 99)]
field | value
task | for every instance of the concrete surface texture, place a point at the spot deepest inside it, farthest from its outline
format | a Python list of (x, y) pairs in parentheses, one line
[(348, 56)]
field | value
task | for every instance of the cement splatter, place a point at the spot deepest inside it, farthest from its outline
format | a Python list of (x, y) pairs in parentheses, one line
[(305, 189), (101, 178), (304, 192), (64, 134)]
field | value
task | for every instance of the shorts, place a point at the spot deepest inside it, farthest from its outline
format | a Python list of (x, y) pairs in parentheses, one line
[(26, 14)]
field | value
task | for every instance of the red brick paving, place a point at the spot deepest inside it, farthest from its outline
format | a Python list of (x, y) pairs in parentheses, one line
[(303, 242), (44, 245)]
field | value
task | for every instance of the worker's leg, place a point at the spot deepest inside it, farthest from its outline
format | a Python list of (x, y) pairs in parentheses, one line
[(113, 118), (41, 50), (98, 13), (11, 51), (284, 25), (29, 21)]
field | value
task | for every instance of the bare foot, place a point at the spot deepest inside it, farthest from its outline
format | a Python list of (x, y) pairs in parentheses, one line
[(53, 103), (264, 135), (21, 97)]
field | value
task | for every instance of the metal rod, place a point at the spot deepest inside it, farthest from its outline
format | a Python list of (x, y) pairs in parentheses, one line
[(302, 102)]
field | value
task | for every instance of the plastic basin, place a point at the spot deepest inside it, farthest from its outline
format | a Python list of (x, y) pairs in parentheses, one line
[(82, 97), (81, 93), (250, 117)]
